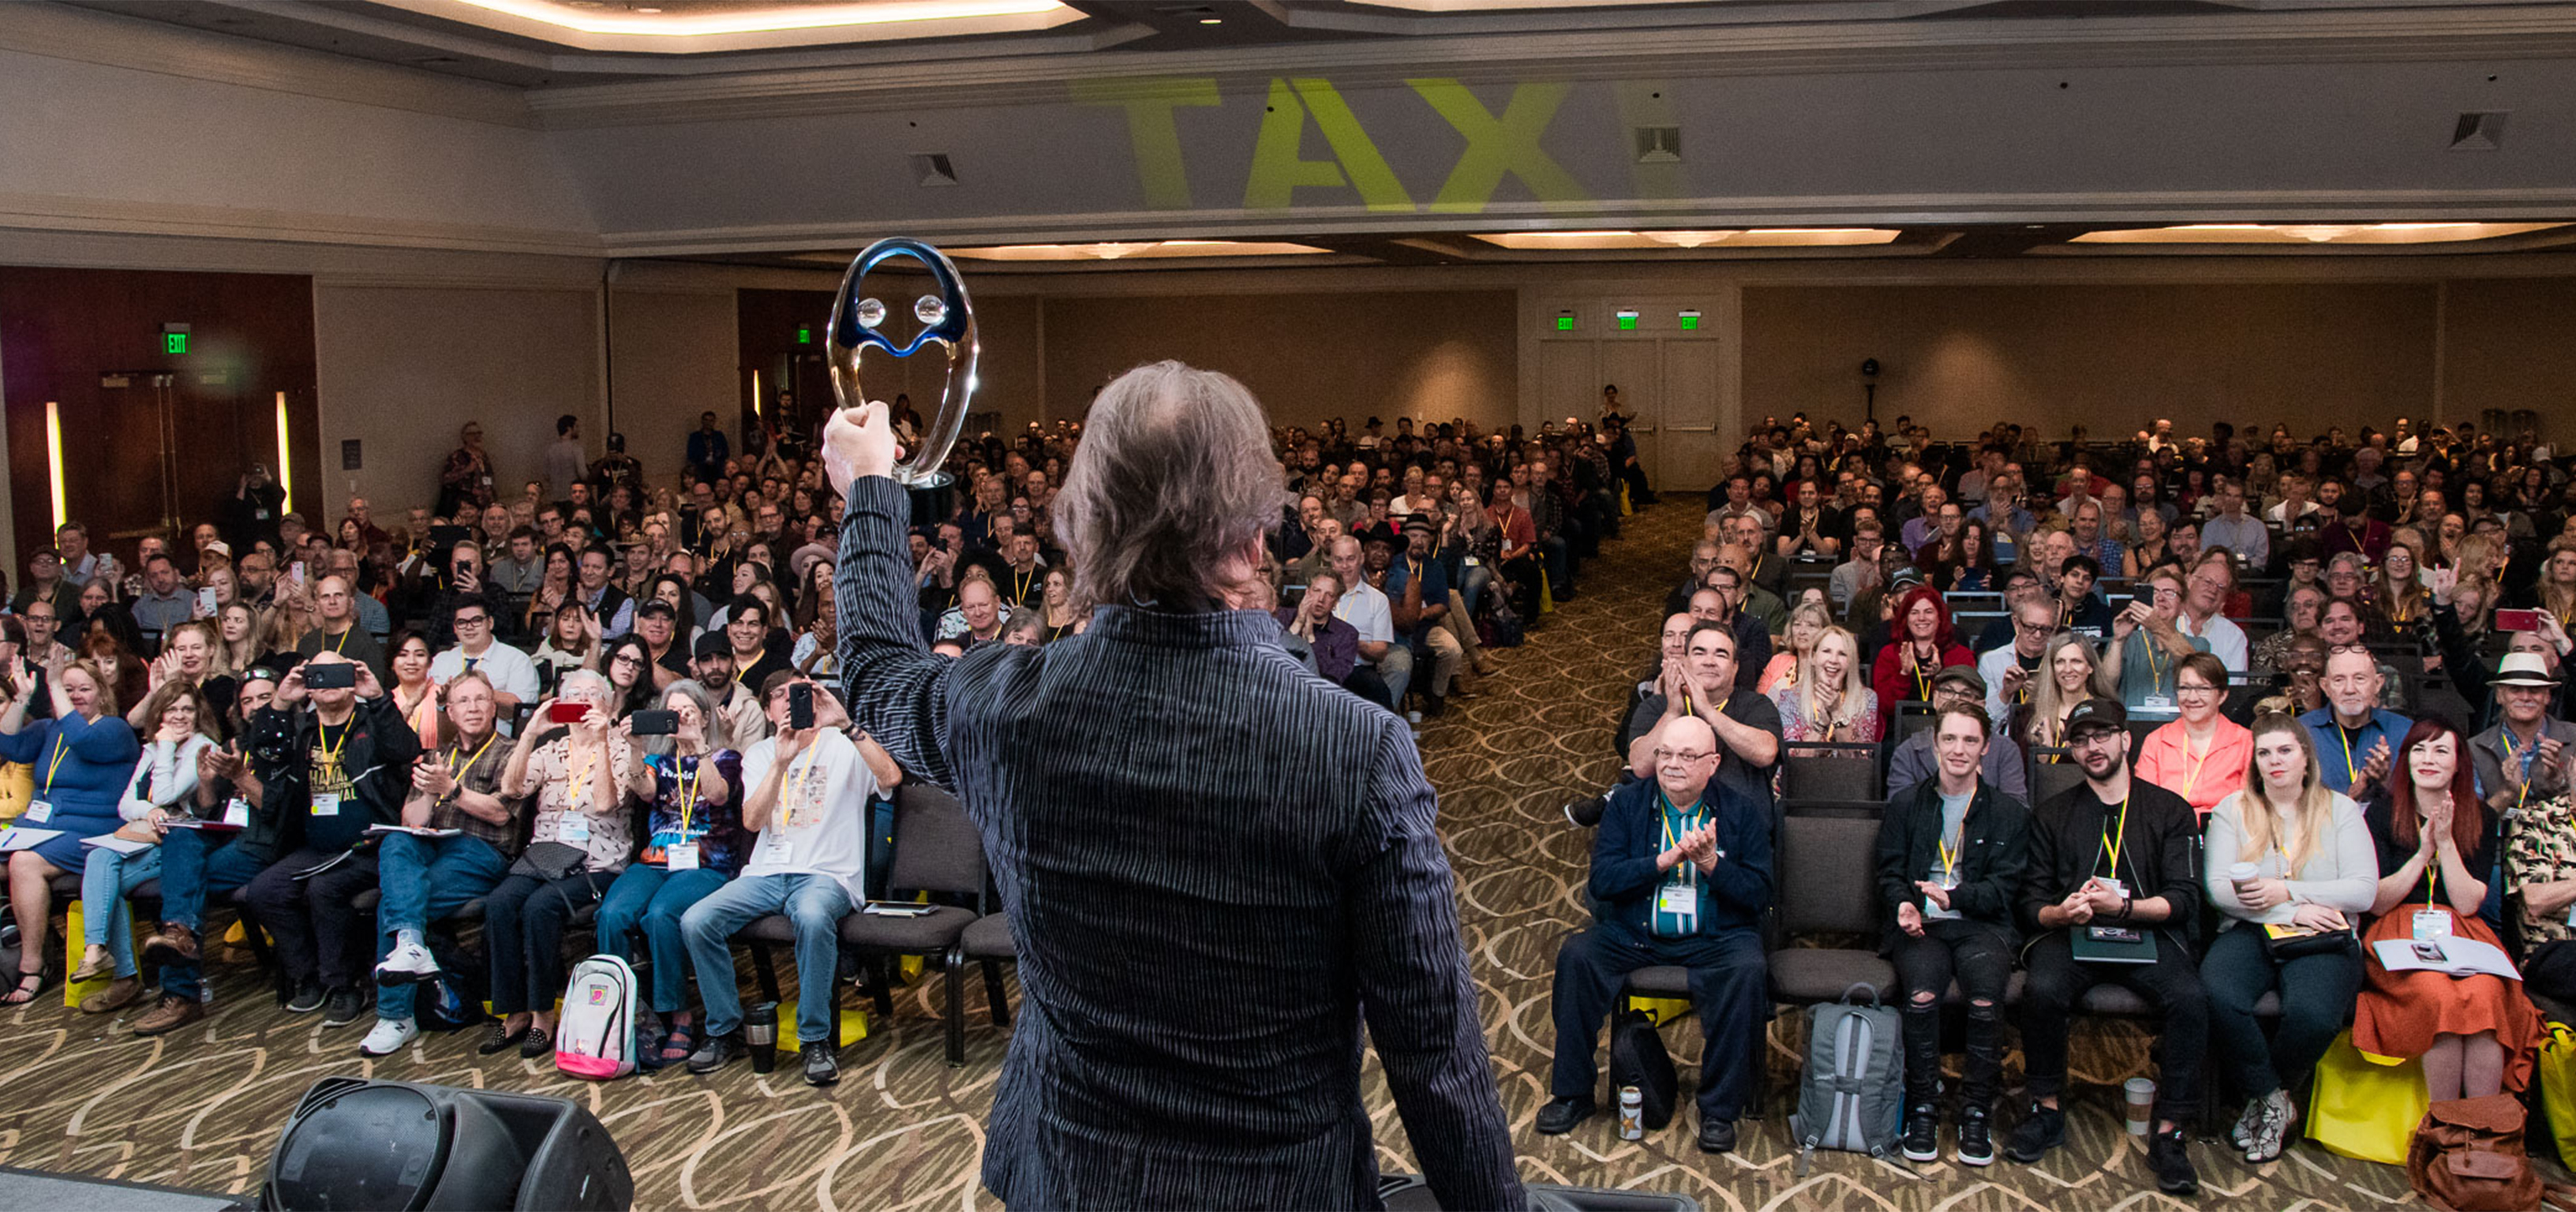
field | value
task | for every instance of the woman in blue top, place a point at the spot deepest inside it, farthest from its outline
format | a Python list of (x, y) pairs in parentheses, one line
[(697, 842), (83, 758)]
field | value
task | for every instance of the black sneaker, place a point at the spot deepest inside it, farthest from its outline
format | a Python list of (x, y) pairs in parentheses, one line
[(1976, 1136), (821, 1067), (1922, 1141), (715, 1052), (2040, 1131), (308, 998), (344, 1006), (2169, 1155), (1560, 1115), (1716, 1135)]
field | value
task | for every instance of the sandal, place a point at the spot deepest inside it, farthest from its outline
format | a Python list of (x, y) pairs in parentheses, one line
[(677, 1046), (30, 984)]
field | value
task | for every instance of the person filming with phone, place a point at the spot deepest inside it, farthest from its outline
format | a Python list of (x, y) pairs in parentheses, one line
[(1121, 797)]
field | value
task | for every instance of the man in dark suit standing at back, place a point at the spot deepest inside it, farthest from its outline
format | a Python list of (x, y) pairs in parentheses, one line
[(1205, 912)]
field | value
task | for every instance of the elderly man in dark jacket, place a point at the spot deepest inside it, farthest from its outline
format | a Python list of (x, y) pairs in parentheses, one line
[(1142, 828), (1682, 871)]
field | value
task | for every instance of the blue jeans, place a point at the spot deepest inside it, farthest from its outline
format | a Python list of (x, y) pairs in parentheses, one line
[(1471, 587), (424, 879), (106, 920), (194, 867), (1560, 568), (650, 901), (815, 903)]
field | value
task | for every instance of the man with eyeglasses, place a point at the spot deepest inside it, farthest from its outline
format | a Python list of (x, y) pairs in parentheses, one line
[(2020, 588), (2007, 674), (2355, 736), (2147, 646), (2204, 605), (512, 674), (1681, 871), (1915, 760), (2112, 888)]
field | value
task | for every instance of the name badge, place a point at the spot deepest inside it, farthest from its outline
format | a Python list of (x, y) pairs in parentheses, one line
[(38, 812), (682, 857), (2432, 924), (573, 828), (776, 850), (2156, 702), (237, 812), (1677, 899), (2117, 888), (326, 803), (1945, 881)]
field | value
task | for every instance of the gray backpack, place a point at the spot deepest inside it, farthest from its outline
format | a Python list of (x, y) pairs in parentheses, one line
[(1852, 1094)]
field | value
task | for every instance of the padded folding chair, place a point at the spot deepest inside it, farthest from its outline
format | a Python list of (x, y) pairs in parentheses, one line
[(986, 943), (2050, 778), (1829, 770)]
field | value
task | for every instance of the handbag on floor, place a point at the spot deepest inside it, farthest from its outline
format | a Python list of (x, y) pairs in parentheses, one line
[(1638, 1058)]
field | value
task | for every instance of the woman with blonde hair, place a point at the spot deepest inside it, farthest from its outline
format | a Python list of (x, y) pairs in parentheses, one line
[(181, 725), (84, 756), (1807, 622), (2291, 868), (2071, 674), (1830, 700), (2557, 588)]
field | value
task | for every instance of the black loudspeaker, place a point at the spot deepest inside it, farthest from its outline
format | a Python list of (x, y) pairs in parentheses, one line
[(1408, 1193), (359, 1144)]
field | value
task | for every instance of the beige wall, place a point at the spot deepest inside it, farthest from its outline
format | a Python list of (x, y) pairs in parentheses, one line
[(401, 368), (2506, 345), (674, 357), (1959, 358), (1430, 355)]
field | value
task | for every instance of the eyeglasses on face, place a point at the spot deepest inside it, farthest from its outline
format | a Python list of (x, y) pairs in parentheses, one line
[(1684, 757)]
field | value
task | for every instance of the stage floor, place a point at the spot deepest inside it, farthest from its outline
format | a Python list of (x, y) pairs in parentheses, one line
[(903, 1130)]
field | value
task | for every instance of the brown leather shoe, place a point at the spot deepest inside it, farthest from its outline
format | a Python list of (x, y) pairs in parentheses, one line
[(122, 992), (172, 1014), (171, 944)]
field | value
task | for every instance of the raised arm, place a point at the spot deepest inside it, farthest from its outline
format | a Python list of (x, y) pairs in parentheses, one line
[(896, 689)]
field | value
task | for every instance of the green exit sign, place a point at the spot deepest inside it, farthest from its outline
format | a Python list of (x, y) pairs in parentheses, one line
[(1565, 324), (804, 335), (174, 342), (1690, 321)]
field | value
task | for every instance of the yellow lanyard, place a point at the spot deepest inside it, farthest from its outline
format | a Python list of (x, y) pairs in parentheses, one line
[(341, 646), (1690, 820), (745, 671), (2113, 842), (2193, 775), (688, 778), (580, 783), (2506, 735), (1020, 585), (57, 764), (330, 752), (2432, 872), (457, 772), (2351, 771), (1949, 853)]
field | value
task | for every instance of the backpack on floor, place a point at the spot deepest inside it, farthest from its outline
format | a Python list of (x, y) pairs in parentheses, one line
[(1638, 1058), (1852, 1093), (595, 1036)]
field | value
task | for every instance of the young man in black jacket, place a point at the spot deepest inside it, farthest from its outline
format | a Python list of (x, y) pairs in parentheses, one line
[(331, 769), (2114, 879), (1951, 853)]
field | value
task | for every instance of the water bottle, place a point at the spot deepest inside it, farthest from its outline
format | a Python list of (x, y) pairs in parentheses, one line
[(760, 1034), (1632, 1113)]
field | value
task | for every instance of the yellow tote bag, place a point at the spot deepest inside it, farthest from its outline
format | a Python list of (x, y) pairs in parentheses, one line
[(2557, 1066), (2366, 1107), (17, 787)]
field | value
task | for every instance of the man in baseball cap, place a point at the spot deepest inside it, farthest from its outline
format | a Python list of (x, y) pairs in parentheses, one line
[(2111, 889)]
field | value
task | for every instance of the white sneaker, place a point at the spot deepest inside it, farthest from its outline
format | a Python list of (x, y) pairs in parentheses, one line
[(388, 1037), (410, 963)]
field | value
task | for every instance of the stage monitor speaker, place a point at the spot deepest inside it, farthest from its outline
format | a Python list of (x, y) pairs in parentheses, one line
[(357, 1144)]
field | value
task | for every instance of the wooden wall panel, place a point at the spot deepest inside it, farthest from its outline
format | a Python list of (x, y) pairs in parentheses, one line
[(61, 329)]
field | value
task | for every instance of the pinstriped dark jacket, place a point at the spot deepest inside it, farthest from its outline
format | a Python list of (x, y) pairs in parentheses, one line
[(1216, 865)]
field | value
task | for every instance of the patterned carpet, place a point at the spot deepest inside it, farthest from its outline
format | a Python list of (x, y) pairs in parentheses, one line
[(902, 1130)]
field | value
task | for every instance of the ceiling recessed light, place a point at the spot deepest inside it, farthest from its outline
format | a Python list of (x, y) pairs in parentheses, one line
[(1211, 20), (2310, 233), (646, 8)]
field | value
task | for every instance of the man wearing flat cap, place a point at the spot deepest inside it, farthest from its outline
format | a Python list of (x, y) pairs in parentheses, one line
[(1417, 595)]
